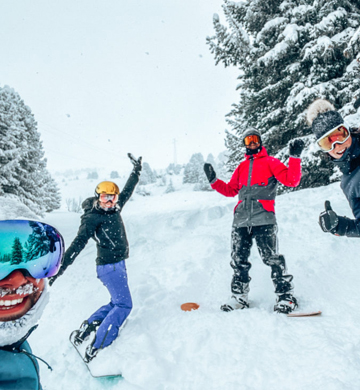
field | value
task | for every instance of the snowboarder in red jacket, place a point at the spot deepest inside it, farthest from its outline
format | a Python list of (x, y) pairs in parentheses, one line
[(255, 181)]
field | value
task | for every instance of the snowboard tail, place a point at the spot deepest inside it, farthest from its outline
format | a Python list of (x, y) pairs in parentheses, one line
[(305, 314)]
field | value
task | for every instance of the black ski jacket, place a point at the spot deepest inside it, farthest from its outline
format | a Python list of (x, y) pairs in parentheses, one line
[(350, 184), (105, 227)]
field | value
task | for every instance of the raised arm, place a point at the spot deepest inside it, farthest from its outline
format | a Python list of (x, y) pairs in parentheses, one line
[(132, 181), (86, 231)]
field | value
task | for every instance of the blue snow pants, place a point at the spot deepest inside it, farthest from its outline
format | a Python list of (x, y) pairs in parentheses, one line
[(112, 315)]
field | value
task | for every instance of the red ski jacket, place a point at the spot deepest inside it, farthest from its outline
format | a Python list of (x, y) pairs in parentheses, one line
[(255, 181)]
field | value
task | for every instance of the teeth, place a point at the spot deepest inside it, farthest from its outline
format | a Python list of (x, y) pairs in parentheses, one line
[(11, 303)]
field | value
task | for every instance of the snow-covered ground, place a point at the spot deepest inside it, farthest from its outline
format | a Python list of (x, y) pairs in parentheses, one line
[(180, 252)]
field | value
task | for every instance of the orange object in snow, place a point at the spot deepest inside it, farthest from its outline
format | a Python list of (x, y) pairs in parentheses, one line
[(188, 306)]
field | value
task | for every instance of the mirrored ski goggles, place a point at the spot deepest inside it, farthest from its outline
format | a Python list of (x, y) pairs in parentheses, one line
[(251, 138), (108, 197), (30, 245), (335, 136)]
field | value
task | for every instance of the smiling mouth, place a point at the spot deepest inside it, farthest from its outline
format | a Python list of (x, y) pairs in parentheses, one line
[(16, 299), (10, 303), (340, 151)]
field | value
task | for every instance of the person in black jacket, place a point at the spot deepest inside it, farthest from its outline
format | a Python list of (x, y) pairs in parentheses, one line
[(342, 144), (102, 222)]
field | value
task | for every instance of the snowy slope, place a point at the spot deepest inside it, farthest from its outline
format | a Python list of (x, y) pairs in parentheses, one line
[(180, 251)]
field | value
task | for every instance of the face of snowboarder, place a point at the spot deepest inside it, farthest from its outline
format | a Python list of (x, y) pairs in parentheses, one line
[(253, 145), (336, 141), (252, 141), (340, 149), (108, 201), (18, 294)]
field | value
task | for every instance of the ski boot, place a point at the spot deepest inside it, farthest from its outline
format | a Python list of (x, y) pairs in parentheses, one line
[(285, 303), (236, 302), (79, 336), (90, 353)]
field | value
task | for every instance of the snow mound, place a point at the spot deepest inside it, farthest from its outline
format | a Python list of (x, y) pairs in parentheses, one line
[(12, 208)]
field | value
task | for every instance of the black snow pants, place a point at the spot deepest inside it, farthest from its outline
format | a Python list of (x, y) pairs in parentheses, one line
[(266, 241)]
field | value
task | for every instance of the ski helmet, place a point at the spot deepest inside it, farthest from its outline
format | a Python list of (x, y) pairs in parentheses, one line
[(106, 187), (252, 131)]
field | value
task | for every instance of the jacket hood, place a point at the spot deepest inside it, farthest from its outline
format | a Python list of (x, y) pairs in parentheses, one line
[(262, 153), (88, 203)]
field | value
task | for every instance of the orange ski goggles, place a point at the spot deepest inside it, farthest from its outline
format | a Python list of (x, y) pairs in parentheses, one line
[(335, 136), (108, 198), (251, 138)]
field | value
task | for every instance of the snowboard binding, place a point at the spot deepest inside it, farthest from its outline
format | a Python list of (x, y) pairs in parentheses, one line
[(90, 353), (285, 304), (235, 303), (83, 333)]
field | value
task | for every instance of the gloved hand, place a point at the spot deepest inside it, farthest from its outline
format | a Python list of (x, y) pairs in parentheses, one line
[(296, 146), (209, 172), (136, 163), (328, 219)]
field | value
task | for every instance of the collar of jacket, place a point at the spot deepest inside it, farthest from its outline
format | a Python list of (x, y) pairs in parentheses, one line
[(16, 346), (262, 153), (92, 203), (108, 211)]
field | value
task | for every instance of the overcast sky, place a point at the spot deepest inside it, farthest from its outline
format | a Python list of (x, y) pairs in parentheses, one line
[(108, 77)]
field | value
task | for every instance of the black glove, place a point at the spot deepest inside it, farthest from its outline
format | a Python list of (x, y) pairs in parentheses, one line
[(296, 146), (136, 163), (209, 172), (328, 219)]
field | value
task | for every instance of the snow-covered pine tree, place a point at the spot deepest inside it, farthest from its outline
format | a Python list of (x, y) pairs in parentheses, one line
[(194, 169), (17, 252), (174, 169), (114, 175), (147, 175), (222, 171), (170, 188), (288, 53), (23, 171), (194, 173), (211, 160)]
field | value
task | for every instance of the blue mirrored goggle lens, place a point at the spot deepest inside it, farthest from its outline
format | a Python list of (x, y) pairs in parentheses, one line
[(30, 245)]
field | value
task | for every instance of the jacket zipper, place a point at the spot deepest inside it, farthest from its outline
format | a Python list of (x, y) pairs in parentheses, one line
[(112, 243), (248, 198)]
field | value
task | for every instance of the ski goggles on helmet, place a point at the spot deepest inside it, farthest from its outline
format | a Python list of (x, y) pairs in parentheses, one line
[(30, 245), (251, 138), (338, 135), (108, 197)]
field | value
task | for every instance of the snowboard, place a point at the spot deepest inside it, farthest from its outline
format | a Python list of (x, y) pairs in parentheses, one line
[(305, 314), (96, 370)]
